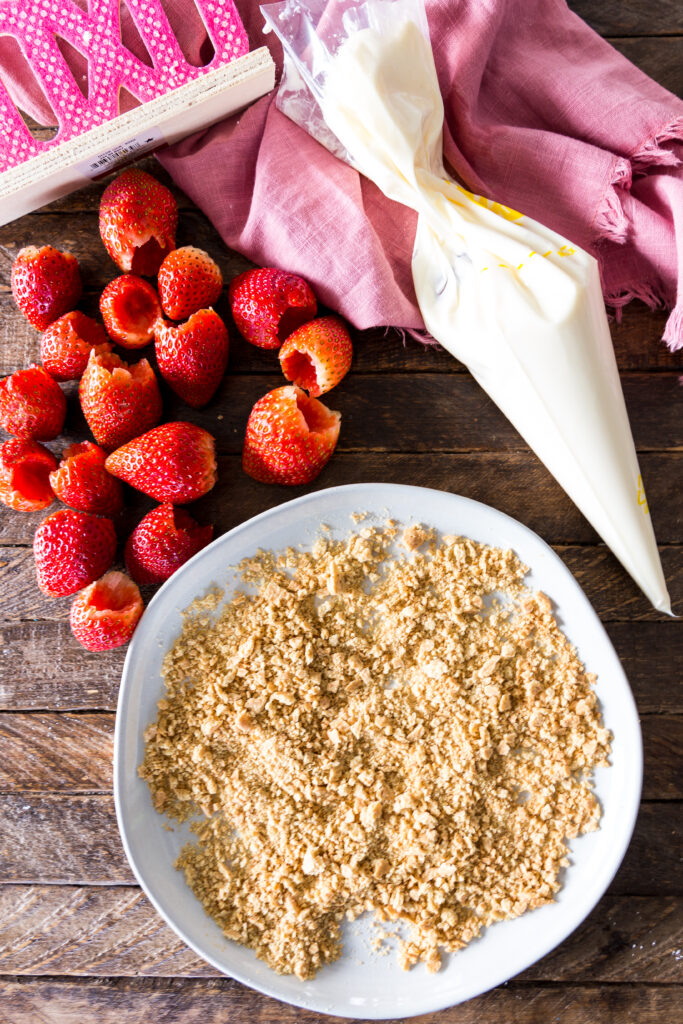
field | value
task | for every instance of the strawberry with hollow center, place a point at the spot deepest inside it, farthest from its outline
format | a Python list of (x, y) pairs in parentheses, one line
[(268, 304), (118, 401), (289, 437), (106, 613), (131, 310), (317, 355), (138, 220), (65, 345), (25, 468), (82, 481)]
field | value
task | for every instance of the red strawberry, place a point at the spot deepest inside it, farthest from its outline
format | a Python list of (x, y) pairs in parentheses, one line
[(106, 613), (32, 404), (269, 304), (118, 401), (175, 462), (82, 481), (65, 346), (71, 550), (25, 467), (289, 437), (131, 310), (138, 218), (163, 541), (188, 280), (45, 284), (192, 357), (317, 355)]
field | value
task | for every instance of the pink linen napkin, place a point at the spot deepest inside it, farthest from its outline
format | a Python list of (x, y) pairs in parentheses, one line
[(541, 114)]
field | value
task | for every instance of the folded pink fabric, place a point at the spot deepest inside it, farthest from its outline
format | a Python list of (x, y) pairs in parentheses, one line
[(541, 114)]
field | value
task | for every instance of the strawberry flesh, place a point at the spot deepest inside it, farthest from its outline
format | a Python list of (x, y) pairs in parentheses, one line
[(119, 401), (65, 345), (131, 310), (106, 613), (25, 468), (317, 355), (289, 437), (138, 219)]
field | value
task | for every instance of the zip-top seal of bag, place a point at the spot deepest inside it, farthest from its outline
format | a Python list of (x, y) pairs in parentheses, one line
[(518, 304)]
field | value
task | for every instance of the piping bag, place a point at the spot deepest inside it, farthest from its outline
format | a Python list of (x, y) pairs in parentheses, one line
[(517, 303)]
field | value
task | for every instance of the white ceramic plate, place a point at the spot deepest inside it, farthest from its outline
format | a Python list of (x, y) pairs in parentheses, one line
[(362, 984)]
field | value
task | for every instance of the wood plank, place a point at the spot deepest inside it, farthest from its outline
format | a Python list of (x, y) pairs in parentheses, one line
[(660, 58), (637, 342), (515, 483), (631, 17), (62, 752), (72, 753), (92, 931), (47, 838), (215, 1001), (397, 412), (612, 592), (45, 670)]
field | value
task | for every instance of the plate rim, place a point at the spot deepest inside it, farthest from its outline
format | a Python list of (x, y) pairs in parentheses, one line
[(574, 920)]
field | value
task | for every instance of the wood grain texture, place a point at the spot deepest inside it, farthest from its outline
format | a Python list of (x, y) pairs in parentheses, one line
[(72, 753), (44, 669), (222, 1001), (631, 17), (516, 483), (660, 58), (396, 413), (614, 595), (46, 838), (103, 932), (62, 752), (636, 338)]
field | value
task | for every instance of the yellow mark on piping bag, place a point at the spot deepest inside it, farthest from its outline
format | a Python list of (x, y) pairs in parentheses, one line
[(548, 253), (490, 204), (533, 253), (642, 500), (520, 266), (566, 250)]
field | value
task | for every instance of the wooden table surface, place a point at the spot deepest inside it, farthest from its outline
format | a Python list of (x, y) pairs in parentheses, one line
[(78, 940)]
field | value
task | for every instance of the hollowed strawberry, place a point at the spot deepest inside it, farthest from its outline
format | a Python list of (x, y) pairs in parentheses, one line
[(106, 613), (25, 468), (131, 310), (289, 437), (317, 355), (118, 401)]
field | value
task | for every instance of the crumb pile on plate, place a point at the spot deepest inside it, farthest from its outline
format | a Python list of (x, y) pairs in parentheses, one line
[(409, 734)]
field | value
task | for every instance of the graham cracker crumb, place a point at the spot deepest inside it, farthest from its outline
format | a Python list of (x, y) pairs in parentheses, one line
[(366, 732)]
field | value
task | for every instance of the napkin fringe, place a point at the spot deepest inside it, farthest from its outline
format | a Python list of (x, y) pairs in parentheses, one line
[(653, 154), (611, 221)]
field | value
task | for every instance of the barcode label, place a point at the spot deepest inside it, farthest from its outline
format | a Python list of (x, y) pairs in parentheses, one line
[(110, 159)]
